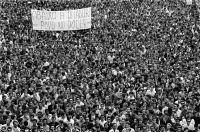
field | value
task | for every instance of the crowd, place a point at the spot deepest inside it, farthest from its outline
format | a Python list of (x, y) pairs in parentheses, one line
[(136, 70)]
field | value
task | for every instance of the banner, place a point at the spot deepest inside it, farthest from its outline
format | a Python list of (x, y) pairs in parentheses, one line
[(61, 20)]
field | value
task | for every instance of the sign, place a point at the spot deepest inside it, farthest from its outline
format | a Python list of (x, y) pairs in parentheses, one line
[(61, 20)]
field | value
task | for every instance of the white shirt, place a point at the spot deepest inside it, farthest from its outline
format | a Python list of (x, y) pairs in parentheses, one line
[(65, 120), (151, 92), (16, 129), (126, 130), (110, 58), (102, 122), (112, 130), (9, 75), (190, 126), (46, 64), (165, 108), (1, 96), (79, 104), (41, 110), (37, 96), (133, 90), (71, 121), (114, 72), (130, 97), (123, 116), (178, 112), (116, 122)]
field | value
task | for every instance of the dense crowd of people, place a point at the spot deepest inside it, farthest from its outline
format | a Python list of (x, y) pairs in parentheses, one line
[(136, 70)]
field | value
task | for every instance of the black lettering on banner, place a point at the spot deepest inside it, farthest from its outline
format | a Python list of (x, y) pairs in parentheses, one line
[(84, 13), (65, 24), (83, 23), (61, 25), (38, 15), (53, 15), (34, 15), (88, 23), (47, 25), (70, 15), (62, 16), (87, 13), (72, 24), (67, 15), (50, 15), (74, 14), (42, 24), (51, 25), (78, 14), (43, 16), (77, 24)]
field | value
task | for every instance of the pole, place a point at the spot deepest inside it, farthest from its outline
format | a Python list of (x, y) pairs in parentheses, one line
[(91, 20), (195, 13)]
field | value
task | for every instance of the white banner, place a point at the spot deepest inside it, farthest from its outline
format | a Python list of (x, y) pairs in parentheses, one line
[(61, 20)]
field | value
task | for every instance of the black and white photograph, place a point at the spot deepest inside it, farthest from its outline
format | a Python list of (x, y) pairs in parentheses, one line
[(99, 65)]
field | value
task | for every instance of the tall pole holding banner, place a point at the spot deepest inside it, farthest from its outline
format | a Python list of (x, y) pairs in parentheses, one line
[(195, 13), (91, 21)]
